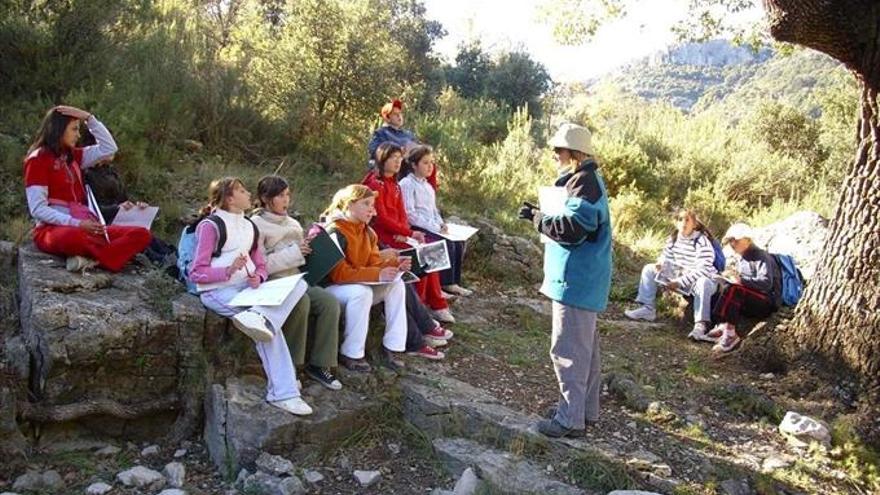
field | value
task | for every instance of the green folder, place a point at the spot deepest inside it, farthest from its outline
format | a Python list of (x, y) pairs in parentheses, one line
[(324, 257)]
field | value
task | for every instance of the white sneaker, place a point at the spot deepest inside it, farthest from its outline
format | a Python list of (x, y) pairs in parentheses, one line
[(728, 342), (443, 315), (457, 290), (253, 325), (80, 263), (447, 295), (699, 333), (294, 406), (642, 313)]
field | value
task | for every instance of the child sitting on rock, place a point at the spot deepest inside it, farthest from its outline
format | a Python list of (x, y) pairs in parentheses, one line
[(221, 272)]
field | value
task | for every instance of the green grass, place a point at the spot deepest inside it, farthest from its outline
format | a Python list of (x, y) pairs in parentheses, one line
[(596, 472)]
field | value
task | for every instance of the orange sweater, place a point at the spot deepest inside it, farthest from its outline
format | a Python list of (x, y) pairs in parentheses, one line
[(362, 262)]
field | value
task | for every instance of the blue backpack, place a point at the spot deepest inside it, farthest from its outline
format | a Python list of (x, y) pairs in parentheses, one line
[(792, 279), (186, 247)]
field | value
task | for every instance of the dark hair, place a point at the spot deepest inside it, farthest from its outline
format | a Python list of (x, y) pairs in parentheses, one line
[(51, 131), (269, 187), (413, 158), (383, 153), (699, 226)]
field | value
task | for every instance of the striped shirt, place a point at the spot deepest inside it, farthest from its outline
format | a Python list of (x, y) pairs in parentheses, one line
[(694, 253)]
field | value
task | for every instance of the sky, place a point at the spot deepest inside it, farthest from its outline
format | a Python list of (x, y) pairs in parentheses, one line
[(509, 24)]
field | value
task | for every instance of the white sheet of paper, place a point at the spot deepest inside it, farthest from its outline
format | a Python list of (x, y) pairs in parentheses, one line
[(551, 201), (412, 242), (455, 232), (272, 293), (408, 278), (136, 217), (93, 206)]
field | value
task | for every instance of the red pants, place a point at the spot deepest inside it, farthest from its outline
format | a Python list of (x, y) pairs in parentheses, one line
[(429, 291), (62, 240)]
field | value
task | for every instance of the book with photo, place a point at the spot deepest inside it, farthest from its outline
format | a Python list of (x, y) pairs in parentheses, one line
[(668, 272), (428, 258)]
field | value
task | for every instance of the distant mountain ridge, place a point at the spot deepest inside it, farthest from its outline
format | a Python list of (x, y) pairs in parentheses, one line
[(697, 76)]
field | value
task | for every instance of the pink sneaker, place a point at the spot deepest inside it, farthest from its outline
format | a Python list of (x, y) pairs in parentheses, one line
[(728, 342), (428, 352)]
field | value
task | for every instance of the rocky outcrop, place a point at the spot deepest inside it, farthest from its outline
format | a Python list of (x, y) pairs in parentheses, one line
[(511, 257), (801, 235)]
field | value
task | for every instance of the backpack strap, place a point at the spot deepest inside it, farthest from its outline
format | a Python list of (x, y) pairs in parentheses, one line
[(256, 234), (221, 233)]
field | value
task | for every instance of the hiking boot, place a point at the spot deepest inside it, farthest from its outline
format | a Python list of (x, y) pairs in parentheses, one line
[(357, 365), (550, 413), (324, 377), (253, 325), (699, 333), (643, 312), (443, 315), (80, 264), (457, 290), (392, 361), (294, 405), (552, 429), (728, 342), (428, 352)]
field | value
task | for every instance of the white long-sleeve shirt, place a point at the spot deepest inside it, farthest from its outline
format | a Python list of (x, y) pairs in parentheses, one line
[(420, 201)]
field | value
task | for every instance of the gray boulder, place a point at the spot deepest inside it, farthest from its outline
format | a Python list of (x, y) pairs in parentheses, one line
[(273, 485), (33, 481), (274, 464), (98, 488), (140, 476), (801, 235), (175, 473), (367, 478), (514, 256)]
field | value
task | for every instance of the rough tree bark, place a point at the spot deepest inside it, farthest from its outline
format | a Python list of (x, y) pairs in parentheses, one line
[(838, 318)]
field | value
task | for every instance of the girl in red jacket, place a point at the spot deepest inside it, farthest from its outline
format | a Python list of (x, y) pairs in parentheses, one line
[(56, 195), (392, 225)]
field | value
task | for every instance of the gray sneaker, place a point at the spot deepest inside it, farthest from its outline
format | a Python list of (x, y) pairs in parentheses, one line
[(552, 429)]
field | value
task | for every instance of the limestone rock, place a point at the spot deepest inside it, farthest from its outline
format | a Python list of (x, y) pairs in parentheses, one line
[(775, 462), (108, 451), (33, 481), (239, 424), (801, 235), (172, 491), (800, 430), (180, 453), (631, 492), (367, 478), (175, 473), (313, 477), (98, 488), (502, 470), (273, 485), (274, 464), (735, 487), (467, 484), (140, 476), (150, 451), (515, 256), (625, 388)]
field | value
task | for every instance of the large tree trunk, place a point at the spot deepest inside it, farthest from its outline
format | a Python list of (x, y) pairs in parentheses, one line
[(838, 318)]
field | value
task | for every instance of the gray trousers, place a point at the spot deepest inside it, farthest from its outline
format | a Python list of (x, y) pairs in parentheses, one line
[(574, 350)]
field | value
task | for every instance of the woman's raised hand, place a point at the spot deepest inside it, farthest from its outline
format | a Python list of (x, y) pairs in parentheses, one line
[(419, 236), (74, 112)]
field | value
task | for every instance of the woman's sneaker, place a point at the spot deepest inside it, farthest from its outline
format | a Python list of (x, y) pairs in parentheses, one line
[(642, 313), (729, 341), (699, 333), (324, 377), (716, 332), (457, 290), (428, 352), (443, 315), (80, 264), (438, 336), (294, 406), (253, 325)]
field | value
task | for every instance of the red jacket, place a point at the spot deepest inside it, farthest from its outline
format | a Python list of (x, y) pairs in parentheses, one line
[(391, 217)]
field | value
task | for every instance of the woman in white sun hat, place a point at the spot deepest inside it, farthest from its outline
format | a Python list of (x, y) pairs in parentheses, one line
[(752, 288), (577, 278)]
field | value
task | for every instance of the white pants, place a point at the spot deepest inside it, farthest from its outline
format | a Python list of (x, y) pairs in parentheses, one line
[(277, 363), (356, 300)]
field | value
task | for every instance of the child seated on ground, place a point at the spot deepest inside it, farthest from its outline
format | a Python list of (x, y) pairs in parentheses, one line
[(685, 266), (753, 287), (420, 200), (286, 247), (221, 272)]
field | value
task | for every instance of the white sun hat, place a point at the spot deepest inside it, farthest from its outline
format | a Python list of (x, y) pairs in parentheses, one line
[(738, 231), (572, 137)]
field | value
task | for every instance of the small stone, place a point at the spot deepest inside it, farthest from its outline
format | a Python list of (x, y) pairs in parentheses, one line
[(773, 463), (243, 475), (313, 477), (631, 492), (108, 451), (151, 450), (632, 425), (34, 482), (140, 476), (98, 488), (550, 468), (735, 487), (643, 460), (179, 453), (172, 491), (394, 448), (662, 470), (800, 430), (367, 478), (344, 463), (175, 473), (767, 376), (467, 484), (274, 464), (292, 486)]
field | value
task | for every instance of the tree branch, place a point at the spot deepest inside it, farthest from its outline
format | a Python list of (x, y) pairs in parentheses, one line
[(68, 412)]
